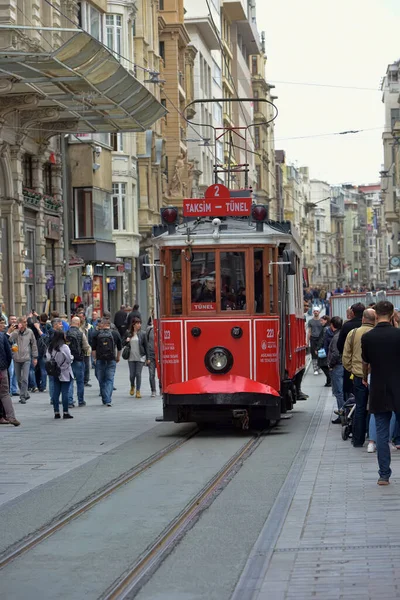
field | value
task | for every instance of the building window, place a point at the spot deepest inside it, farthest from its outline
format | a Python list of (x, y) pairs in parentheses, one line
[(83, 210), (257, 143), (217, 74), (318, 225), (319, 270), (47, 179), (161, 4), (114, 33), (91, 20), (256, 102), (117, 142), (27, 167), (119, 206), (258, 175), (394, 116), (162, 51), (254, 65), (318, 247)]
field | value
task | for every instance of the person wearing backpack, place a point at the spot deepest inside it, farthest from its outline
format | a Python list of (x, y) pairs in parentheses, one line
[(78, 346), (138, 356), (58, 366), (106, 352)]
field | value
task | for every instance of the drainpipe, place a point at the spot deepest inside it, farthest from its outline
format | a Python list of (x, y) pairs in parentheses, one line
[(66, 196)]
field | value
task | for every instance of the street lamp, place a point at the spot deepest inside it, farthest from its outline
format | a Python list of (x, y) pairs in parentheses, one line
[(310, 205)]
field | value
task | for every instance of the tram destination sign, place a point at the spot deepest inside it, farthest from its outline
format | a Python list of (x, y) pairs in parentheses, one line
[(217, 203)]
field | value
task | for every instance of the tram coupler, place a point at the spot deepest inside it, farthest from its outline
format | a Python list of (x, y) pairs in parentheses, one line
[(243, 416)]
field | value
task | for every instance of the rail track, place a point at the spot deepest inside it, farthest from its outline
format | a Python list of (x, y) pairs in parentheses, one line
[(136, 576), (130, 582), (79, 509)]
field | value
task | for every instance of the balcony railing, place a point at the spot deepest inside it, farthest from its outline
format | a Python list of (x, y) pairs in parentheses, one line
[(33, 198)]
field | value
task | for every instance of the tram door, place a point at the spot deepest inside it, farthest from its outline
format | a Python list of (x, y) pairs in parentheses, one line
[(283, 309)]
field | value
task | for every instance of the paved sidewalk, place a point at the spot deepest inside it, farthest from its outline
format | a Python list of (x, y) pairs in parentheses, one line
[(42, 448), (341, 536)]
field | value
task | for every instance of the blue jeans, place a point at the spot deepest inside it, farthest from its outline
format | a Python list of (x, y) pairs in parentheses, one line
[(13, 379), (43, 373), (105, 372), (360, 413), (382, 421), (32, 377), (337, 384), (78, 368), (393, 432), (63, 388), (51, 388)]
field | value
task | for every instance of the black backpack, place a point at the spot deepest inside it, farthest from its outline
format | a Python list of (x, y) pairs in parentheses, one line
[(75, 338), (105, 349), (52, 367)]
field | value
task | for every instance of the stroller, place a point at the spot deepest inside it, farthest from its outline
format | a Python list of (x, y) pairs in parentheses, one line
[(346, 414)]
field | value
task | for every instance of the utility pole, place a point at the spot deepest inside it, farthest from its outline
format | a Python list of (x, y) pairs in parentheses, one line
[(65, 186)]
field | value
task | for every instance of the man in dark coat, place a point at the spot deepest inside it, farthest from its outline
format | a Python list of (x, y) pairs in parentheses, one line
[(355, 321), (381, 353), (134, 314), (120, 320)]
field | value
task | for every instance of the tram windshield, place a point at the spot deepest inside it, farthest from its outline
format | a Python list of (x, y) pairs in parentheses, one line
[(203, 294), (233, 280)]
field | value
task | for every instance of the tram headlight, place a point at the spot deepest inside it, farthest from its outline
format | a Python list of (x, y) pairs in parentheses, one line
[(218, 360)]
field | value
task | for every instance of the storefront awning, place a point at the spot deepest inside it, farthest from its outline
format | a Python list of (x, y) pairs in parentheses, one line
[(89, 88)]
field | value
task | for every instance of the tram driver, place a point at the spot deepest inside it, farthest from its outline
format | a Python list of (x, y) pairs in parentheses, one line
[(207, 293)]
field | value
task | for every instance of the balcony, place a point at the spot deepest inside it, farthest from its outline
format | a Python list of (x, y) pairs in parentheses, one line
[(235, 10)]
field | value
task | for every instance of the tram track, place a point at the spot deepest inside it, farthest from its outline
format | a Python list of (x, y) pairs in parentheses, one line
[(130, 582), (85, 505)]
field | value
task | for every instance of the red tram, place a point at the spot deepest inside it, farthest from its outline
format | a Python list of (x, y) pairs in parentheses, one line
[(230, 322)]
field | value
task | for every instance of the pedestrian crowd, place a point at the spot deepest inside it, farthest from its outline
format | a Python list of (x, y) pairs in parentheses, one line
[(46, 352), (360, 359)]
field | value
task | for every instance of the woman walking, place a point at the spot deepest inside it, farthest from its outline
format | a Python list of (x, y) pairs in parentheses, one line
[(139, 355), (59, 353)]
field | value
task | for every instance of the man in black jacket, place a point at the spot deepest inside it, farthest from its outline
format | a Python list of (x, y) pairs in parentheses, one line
[(355, 321), (381, 352), (120, 319)]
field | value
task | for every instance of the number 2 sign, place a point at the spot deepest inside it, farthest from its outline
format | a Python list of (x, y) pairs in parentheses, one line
[(217, 191)]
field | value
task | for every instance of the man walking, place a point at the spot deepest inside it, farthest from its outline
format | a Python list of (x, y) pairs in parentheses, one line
[(314, 331), (106, 347), (78, 346), (352, 362), (355, 314), (5, 398), (86, 329), (381, 353), (24, 347), (335, 365)]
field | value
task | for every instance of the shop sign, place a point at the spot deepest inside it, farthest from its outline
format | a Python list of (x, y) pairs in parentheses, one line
[(112, 284), (87, 284), (52, 227), (50, 281)]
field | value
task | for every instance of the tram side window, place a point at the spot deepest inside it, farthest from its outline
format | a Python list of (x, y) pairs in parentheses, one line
[(233, 280), (176, 291), (202, 280), (258, 280)]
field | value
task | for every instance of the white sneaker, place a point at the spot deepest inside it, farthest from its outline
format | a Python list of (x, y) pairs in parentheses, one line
[(371, 447), (316, 373), (153, 394)]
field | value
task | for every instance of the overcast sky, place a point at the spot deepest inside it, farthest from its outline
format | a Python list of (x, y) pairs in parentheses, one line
[(343, 43)]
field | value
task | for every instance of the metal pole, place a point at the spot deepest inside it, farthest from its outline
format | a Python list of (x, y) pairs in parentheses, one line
[(65, 187)]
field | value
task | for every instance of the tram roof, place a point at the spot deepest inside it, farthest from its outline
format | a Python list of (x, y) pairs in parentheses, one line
[(231, 231)]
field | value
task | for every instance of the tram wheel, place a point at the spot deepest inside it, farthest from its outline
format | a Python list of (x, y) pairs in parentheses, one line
[(345, 432)]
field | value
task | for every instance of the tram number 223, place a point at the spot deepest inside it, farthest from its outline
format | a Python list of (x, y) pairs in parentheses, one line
[(270, 334)]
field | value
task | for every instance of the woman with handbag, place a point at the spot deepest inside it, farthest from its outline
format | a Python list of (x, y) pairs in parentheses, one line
[(323, 346), (58, 366), (136, 352)]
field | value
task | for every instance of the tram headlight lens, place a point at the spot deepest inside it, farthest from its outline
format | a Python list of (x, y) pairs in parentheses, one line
[(218, 360)]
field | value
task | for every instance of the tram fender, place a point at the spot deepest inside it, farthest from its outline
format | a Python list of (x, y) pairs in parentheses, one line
[(220, 384)]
